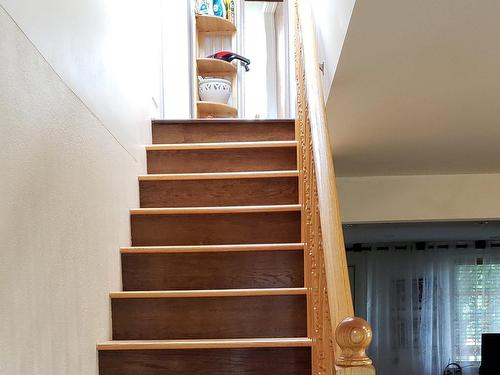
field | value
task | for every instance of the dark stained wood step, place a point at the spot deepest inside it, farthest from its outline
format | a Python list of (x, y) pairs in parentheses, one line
[(255, 313), (166, 269), (218, 130), (222, 157), (213, 361), (219, 189), (216, 226)]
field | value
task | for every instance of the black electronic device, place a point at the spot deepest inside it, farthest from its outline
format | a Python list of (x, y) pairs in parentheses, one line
[(490, 354)]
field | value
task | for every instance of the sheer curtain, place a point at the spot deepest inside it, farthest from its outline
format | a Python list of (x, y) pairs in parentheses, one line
[(476, 293), (416, 302)]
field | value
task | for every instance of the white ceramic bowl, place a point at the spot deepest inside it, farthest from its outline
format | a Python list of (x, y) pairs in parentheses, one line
[(215, 90)]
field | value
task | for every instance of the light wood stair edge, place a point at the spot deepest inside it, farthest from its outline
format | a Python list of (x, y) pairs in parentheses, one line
[(209, 293), (218, 176), (219, 145), (215, 210), (205, 344), (210, 248)]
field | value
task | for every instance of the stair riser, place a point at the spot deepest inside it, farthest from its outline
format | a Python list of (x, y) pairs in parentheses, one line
[(222, 160), (221, 270), (223, 132), (249, 361), (215, 229), (219, 192), (209, 317)]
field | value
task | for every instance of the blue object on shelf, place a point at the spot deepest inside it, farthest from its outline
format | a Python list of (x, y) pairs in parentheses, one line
[(219, 8)]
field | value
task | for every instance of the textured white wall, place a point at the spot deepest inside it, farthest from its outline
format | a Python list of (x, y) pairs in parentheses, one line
[(419, 198), (65, 188), (107, 51)]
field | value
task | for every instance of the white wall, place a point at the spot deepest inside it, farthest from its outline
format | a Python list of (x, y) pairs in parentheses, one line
[(106, 51), (177, 63), (331, 18), (419, 198), (67, 178), (260, 48)]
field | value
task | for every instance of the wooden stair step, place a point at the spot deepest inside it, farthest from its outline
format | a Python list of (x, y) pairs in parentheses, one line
[(209, 293), (219, 189), (210, 248), (213, 267), (220, 145), (222, 157), (215, 210), (205, 344), (217, 130), (217, 176), (215, 225), (244, 313), (287, 356)]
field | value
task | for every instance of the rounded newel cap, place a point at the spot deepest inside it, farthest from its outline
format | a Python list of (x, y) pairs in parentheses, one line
[(353, 335)]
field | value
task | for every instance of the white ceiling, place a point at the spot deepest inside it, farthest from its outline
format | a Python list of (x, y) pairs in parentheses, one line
[(417, 89)]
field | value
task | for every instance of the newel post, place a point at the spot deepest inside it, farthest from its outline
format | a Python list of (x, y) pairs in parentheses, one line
[(353, 335)]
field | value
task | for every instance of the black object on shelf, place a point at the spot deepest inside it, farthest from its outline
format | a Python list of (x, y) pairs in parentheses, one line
[(230, 56)]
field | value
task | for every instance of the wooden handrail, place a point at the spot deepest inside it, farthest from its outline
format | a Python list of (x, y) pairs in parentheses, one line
[(327, 278)]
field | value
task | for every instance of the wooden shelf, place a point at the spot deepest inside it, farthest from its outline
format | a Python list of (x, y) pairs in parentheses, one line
[(215, 110), (214, 25), (215, 67), (222, 30)]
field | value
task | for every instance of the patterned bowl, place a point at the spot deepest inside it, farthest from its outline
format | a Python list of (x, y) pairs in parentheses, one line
[(215, 90)]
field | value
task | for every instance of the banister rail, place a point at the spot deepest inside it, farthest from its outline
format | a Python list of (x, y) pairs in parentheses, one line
[(326, 276)]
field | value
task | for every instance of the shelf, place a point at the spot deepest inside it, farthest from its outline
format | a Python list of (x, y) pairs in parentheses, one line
[(214, 25), (214, 67), (215, 110)]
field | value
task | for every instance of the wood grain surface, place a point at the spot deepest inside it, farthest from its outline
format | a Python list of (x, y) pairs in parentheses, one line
[(209, 317), (222, 160), (190, 131), (260, 269), (237, 361), (215, 229), (219, 192)]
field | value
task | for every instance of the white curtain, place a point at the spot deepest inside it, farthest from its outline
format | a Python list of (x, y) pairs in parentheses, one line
[(476, 301), (413, 304)]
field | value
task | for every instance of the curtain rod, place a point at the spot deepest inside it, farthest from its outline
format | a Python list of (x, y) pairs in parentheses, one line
[(422, 245)]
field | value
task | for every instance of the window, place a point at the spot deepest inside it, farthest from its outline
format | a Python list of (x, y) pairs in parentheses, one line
[(407, 303), (477, 307)]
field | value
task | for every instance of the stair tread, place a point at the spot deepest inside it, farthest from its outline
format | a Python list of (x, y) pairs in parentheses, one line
[(215, 210), (219, 145), (222, 175), (204, 343), (227, 121), (210, 248), (209, 293)]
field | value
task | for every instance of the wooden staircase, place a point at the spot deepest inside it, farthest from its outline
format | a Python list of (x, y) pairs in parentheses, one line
[(214, 280), (237, 263)]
